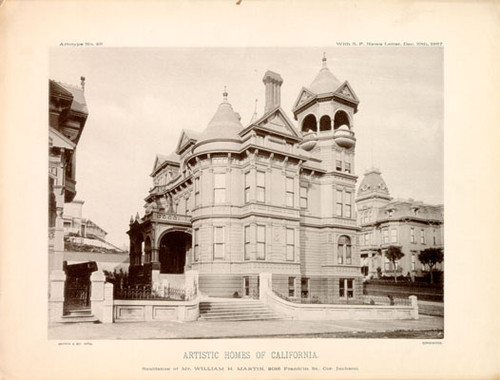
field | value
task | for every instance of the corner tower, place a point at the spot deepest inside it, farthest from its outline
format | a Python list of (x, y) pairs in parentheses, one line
[(325, 114)]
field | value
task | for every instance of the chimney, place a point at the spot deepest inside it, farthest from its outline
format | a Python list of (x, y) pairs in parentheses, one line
[(273, 82)]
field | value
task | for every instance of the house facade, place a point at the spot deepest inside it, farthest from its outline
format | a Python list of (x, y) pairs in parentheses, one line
[(273, 196), (67, 118), (410, 225)]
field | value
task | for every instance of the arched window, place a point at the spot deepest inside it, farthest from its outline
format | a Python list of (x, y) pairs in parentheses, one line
[(309, 124), (325, 123), (147, 251), (344, 252), (341, 118)]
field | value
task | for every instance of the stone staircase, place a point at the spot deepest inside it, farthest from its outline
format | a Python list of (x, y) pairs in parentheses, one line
[(236, 310), (78, 316)]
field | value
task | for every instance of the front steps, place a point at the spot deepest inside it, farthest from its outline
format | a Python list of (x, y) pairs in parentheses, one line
[(78, 316), (236, 310)]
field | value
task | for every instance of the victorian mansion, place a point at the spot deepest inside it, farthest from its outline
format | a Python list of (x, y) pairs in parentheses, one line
[(274, 196)]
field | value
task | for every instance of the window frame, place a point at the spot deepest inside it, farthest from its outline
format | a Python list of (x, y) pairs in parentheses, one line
[(290, 244), (260, 243), (260, 188), (220, 188), (289, 193), (216, 243)]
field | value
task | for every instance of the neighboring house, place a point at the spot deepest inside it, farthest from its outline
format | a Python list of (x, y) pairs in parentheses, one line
[(86, 241), (67, 117), (412, 226), (272, 196)]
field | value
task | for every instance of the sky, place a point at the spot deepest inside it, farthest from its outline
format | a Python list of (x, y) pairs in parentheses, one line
[(140, 99)]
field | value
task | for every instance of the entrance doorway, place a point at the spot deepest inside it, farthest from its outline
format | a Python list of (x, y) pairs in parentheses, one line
[(173, 249), (77, 286)]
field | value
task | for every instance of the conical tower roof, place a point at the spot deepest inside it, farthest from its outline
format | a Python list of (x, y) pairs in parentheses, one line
[(224, 124), (325, 81)]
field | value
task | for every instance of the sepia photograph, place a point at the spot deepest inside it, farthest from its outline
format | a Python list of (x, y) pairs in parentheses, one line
[(246, 192), (248, 189)]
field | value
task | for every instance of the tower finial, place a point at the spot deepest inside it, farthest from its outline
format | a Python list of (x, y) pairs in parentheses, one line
[(324, 59), (255, 109), (82, 82), (254, 116), (224, 94)]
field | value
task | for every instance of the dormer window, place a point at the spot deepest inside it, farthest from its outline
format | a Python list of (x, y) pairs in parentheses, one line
[(416, 211)]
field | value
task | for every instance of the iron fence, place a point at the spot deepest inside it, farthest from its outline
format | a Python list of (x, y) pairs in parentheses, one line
[(146, 292)]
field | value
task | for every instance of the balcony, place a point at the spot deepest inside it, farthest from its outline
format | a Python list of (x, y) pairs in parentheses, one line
[(344, 137)]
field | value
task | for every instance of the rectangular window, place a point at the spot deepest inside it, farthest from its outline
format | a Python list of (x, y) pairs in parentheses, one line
[(434, 237), (247, 187), (197, 192), (304, 287), (261, 242), (218, 242), (347, 202), (247, 242), (346, 288), (340, 253), (261, 186), (413, 261), (367, 239), (347, 167), (394, 236), (422, 237), (412, 235), (187, 206), (386, 236), (303, 197), (289, 191), (219, 187), (196, 244), (387, 263), (348, 255), (291, 286), (338, 203), (290, 244), (338, 165)]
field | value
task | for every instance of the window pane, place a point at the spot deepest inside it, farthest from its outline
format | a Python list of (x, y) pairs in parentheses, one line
[(290, 252), (218, 250), (219, 234), (261, 179), (247, 195), (261, 233), (247, 234), (261, 251), (290, 236), (289, 184), (219, 180), (247, 179), (219, 195), (261, 195)]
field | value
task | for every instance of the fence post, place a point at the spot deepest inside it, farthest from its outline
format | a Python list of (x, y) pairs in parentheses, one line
[(414, 305), (107, 314), (56, 295), (97, 294)]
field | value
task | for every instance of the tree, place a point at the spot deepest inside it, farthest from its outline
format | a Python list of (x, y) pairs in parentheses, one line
[(431, 257), (393, 254)]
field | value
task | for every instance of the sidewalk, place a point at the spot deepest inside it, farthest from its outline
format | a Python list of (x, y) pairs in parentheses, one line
[(251, 329)]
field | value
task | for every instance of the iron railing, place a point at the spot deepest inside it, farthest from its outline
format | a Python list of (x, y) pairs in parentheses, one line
[(146, 292)]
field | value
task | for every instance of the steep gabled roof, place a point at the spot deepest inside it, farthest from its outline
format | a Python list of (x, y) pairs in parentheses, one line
[(274, 122), (161, 160), (187, 138)]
